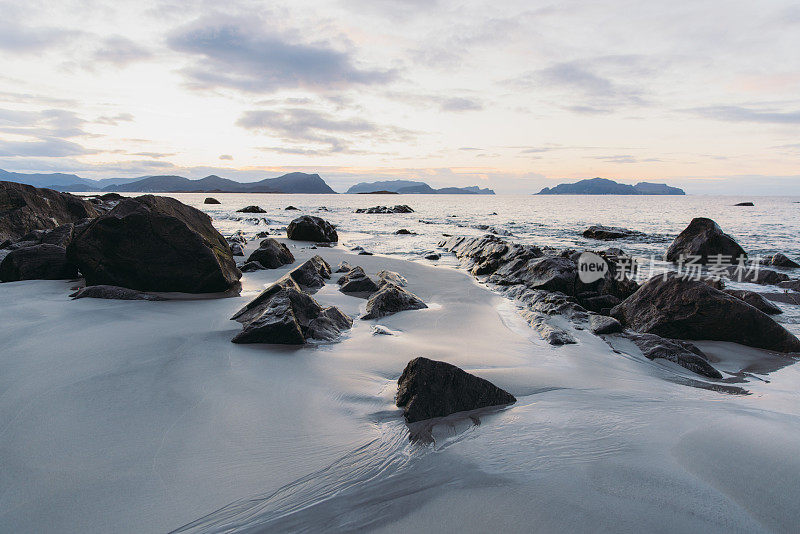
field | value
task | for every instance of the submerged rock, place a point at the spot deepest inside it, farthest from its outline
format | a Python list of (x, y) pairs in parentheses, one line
[(390, 299), (271, 254), (679, 308), (429, 388), (705, 239), (211, 200), (684, 354), (311, 228), (154, 243), (356, 281), (755, 300), (403, 231), (793, 285), (251, 209), (112, 293), (401, 208), (608, 232), (780, 260), (38, 262)]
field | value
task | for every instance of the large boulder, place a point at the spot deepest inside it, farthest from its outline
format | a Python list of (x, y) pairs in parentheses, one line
[(311, 228), (681, 352), (312, 273), (429, 388), (154, 243), (24, 208), (284, 314), (272, 254), (705, 239), (39, 262), (356, 282), (608, 232), (391, 299), (211, 200), (679, 308)]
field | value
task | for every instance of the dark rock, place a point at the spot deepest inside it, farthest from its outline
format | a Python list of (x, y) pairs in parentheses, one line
[(24, 208), (113, 293), (753, 274), (780, 260), (251, 266), (357, 282), (401, 208), (292, 208), (403, 231), (236, 248), (343, 267), (262, 235), (549, 273), (283, 314), (684, 354), (312, 273), (755, 300), (311, 228), (38, 262), (379, 330), (211, 200), (554, 335), (432, 256), (744, 204), (251, 209), (364, 253), (154, 243), (390, 299), (60, 236), (608, 232), (272, 254), (679, 308), (603, 324), (599, 303), (110, 197), (429, 388), (391, 277), (794, 285), (704, 238)]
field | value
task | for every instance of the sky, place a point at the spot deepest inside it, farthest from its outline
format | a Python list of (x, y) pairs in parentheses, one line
[(514, 96)]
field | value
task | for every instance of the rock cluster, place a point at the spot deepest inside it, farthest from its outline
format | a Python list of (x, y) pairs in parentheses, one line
[(400, 208)]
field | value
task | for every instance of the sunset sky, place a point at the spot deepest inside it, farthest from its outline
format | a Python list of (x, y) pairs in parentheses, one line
[(515, 96)]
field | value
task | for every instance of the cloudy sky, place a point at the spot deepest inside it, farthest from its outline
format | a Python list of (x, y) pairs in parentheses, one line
[(509, 95)]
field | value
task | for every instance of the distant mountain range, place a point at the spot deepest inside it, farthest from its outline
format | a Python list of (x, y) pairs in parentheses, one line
[(296, 182), (408, 187), (604, 186)]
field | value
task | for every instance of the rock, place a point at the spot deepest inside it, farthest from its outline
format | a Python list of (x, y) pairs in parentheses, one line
[(680, 352), (380, 330), (312, 273), (113, 293), (251, 209), (780, 260), (744, 204), (251, 266), (599, 303), (549, 273), (679, 308), (356, 281), (24, 208), (311, 228), (292, 208), (794, 285), (429, 388), (551, 333), (283, 314), (262, 235), (237, 237), (401, 208), (272, 254), (154, 243), (432, 256), (343, 267), (392, 277), (390, 299), (755, 275), (38, 262), (608, 232), (704, 238), (603, 324), (211, 200), (364, 253), (755, 300), (403, 231), (60, 236), (236, 248)]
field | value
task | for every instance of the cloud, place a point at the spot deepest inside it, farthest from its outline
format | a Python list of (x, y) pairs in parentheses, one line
[(743, 114), (120, 51), (49, 148), (154, 155), (45, 123), (226, 157), (114, 120), (444, 103), (19, 39), (248, 56)]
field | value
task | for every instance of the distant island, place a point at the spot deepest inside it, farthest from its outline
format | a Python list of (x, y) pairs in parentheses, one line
[(604, 186), (296, 182), (409, 187)]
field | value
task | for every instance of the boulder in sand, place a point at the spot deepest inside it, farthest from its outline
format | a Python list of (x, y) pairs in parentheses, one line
[(312, 273), (391, 277), (705, 239), (154, 243), (681, 352), (211, 200), (343, 267), (603, 324), (112, 293), (251, 209), (678, 308), (390, 299), (271, 254), (357, 282), (39, 262), (429, 388), (311, 228)]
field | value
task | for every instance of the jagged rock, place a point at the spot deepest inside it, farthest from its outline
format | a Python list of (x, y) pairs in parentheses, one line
[(24, 208), (343, 267), (251, 266), (284, 314), (356, 281), (392, 277), (271, 254), (780, 260), (154, 243), (251, 209), (211, 200), (113, 293), (684, 354), (38, 262), (60, 236), (312, 273), (608, 232), (679, 308), (311, 228), (401, 208), (755, 300), (429, 388), (705, 239), (603, 324), (390, 299)]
